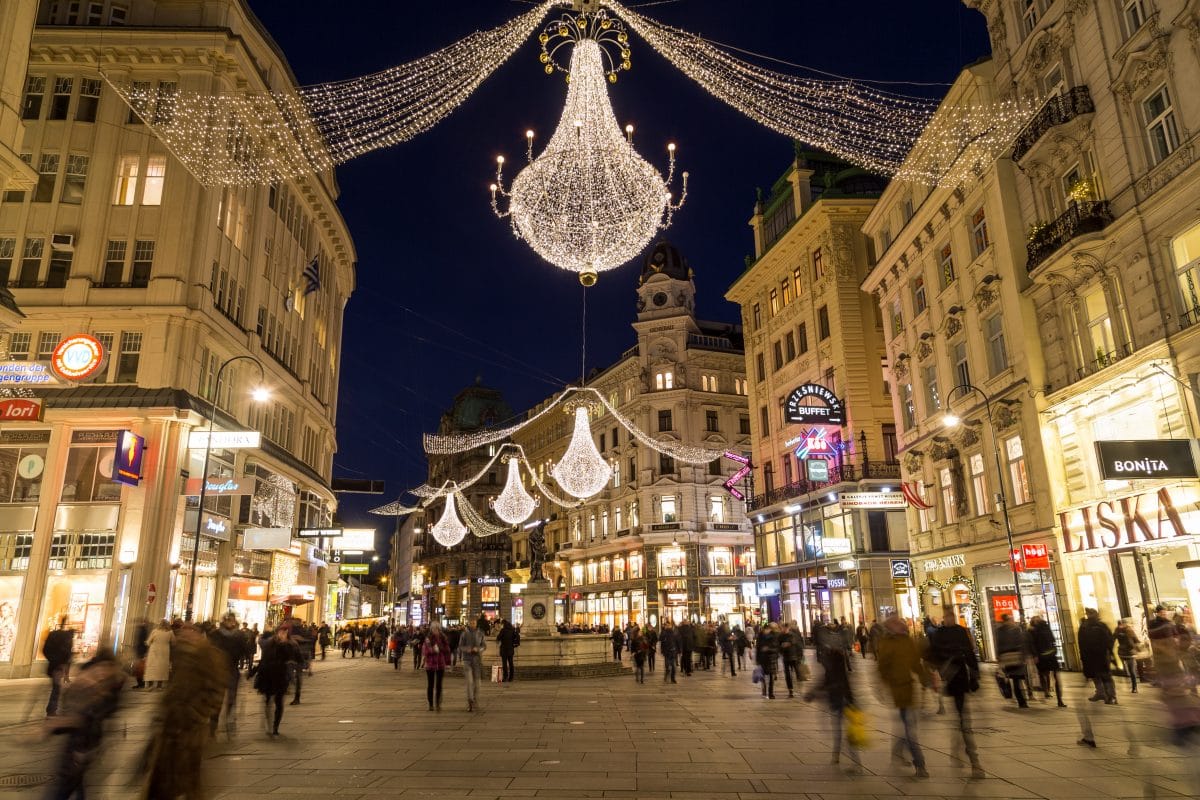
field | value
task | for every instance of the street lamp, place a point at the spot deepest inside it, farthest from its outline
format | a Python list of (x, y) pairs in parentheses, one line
[(952, 420), (259, 394)]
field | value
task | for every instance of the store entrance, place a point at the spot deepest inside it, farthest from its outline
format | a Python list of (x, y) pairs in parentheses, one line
[(1149, 576)]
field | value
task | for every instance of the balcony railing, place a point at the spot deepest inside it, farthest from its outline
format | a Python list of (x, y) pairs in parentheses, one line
[(1189, 317), (1103, 360), (1086, 216), (119, 285), (879, 470), (1058, 110)]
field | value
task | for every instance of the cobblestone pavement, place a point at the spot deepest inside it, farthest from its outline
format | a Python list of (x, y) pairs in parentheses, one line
[(363, 731)]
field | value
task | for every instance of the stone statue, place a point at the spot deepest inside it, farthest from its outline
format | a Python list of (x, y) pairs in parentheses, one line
[(537, 552)]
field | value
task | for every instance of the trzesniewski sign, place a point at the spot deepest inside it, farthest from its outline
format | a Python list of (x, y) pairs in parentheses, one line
[(1146, 458), (813, 404)]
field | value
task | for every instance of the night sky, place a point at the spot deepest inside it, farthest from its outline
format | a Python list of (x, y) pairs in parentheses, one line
[(445, 293)]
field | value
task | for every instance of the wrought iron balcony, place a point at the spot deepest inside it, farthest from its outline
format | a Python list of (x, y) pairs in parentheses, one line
[(1058, 110), (843, 473), (1082, 217)]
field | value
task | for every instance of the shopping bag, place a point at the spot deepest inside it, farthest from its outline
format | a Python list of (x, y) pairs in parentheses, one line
[(856, 727), (497, 674), (758, 675), (1003, 684)]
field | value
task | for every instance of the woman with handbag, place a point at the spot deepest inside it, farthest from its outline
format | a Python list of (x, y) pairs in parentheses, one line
[(435, 654), (1129, 646), (1010, 653), (952, 653), (1045, 651)]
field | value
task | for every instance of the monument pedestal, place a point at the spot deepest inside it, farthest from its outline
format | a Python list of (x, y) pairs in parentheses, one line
[(545, 653)]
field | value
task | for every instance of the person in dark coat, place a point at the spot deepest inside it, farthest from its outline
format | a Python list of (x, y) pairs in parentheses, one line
[(324, 637), (1096, 654), (766, 655), (273, 674), (651, 637), (229, 642), (57, 649), (140, 649), (835, 686), (668, 642), (618, 642), (507, 639), (952, 654), (791, 653), (1045, 651), (687, 643), (88, 701), (1010, 652)]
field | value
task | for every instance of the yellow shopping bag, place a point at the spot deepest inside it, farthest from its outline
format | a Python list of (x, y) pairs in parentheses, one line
[(856, 727)]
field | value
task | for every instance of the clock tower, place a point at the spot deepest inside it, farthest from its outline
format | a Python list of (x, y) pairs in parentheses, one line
[(665, 287)]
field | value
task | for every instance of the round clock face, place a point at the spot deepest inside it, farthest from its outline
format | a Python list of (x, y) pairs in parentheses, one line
[(538, 611), (660, 299)]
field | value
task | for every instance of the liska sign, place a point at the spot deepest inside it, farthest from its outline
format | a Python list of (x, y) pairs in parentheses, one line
[(1126, 522)]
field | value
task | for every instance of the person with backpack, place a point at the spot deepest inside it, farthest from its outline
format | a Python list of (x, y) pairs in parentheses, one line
[(57, 649), (952, 654)]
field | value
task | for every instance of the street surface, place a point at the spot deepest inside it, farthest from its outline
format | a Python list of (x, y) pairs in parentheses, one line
[(363, 731)]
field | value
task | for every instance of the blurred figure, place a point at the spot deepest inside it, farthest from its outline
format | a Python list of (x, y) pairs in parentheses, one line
[(471, 645), (1010, 652), (177, 742), (668, 641), (89, 700), (57, 649), (952, 653), (232, 646), (791, 652), (158, 656), (685, 637), (1096, 653), (280, 656), (1128, 645), (507, 639), (898, 661), (435, 655), (767, 657), (839, 695), (1045, 652), (324, 638), (140, 649)]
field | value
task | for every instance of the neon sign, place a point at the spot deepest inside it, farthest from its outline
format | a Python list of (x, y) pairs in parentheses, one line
[(731, 484)]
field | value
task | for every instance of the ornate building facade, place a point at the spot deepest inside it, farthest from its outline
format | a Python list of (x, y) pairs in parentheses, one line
[(820, 414), (116, 240)]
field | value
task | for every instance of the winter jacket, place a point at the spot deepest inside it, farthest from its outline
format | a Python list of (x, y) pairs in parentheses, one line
[(668, 642), (1095, 648), (508, 640), (272, 675), (953, 653), (435, 652), (471, 645), (898, 661)]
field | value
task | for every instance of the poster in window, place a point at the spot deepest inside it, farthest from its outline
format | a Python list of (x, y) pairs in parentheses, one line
[(10, 603)]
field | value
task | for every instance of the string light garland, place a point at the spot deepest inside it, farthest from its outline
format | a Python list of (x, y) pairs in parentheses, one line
[(514, 505), (449, 530), (589, 202), (582, 471), (478, 525), (394, 509)]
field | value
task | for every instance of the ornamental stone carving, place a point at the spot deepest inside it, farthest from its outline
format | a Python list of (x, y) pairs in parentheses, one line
[(913, 461), (985, 295), (942, 448), (1006, 415), (953, 325), (924, 349), (968, 436), (1167, 171), (900, 367)]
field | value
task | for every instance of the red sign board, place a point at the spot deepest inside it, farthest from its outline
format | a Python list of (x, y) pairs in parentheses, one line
[(1035, 556), (77, 357), (151, 593), (1004, 604), (20, 408)]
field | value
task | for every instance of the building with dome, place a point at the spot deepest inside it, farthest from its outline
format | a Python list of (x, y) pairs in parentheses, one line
[(664, 540), (829, 510)]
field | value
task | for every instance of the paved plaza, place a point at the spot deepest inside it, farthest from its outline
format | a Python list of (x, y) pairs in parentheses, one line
[(363, 731)]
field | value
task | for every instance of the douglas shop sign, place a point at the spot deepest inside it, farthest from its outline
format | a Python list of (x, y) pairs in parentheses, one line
[(1148, 458), (1126, 522)]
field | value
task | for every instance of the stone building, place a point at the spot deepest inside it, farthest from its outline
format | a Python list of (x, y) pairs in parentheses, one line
[(116, 241), (821, 416)]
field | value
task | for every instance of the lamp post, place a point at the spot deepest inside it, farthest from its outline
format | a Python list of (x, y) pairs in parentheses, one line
[(260, 394), (953, 420)]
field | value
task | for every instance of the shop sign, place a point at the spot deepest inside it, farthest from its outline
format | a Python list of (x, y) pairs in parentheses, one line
[(901, 569), (736, 478), (839, 583), (17, 409), (1147, 458), (463, 581), (217, 486), (768, 588), (77, 357), (828, 411), (491, 580), (26, 373), (899, 585), (319, 533), (224, 440), (130, 449), (1003, 604), (952, 561), (357, 539), (354, 569), (1126, 522), (817, 469), (216, 527), (1035, 556), (836, 547), (490, 606), (676, 597), (267, 539), (872, 500)]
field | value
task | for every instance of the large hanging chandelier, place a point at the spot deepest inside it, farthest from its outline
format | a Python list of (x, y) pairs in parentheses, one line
[(449, 530), (582, 472), (588, 202), (514, 505)]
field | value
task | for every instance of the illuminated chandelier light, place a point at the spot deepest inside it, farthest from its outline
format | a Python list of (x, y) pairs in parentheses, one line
[(260, 137), (514, 505), (582, 471), (874, 129), (449, 530), (589, 202), (478, 525)]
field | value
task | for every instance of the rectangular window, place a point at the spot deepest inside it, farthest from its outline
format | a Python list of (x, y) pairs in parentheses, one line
[(125, 189), (633, 469), (789, 345), (139, 98), (796, 280), (744, 425), (946, 265), (818, 265), (757, 316), (106, 342), (143, 262), (829, 382), (1133, 14), (933, 400), (1029, 15), (714, 467), (664, 420), (164, 105), (667, 504), (60, 103), (962, 368), (95, 13), (897, 317), (8, 251), (47, 175), (1099, 326), (666, 464), (918, 290), (802, 335), (117, 15), (760, 364), (777, 350), (47, 341), (774, 302), (19, 344), (128, 358), (664, 380), (788, 479), (785, 289), (711, 421), (156, 175), (1161, 128), (1018, 473), (74, 179), (31, 262), (823, 323), (1185, 252), (89, 100), (979, 484), (114, 263), (35, 93), (15, 195), (890, 447), (907, 411), (949, 497), (764, 420), (993, 328), (60, 268), (980, 238)]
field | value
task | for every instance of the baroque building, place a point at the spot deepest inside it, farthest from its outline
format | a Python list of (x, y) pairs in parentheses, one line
[(1107, 178), (173, 280), (820, 412), (665, 539)]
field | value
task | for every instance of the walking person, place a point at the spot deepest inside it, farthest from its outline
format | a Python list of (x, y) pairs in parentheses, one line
[(507, 639), (90, 699), (324, 638), (57, 649), (158, 657), (766, 656), (1045, 652), (140, 648), (418, 646), (791, 652), (272, 675), (227, 639), (1010, 652), (471, 645), (952, 653), (651, 636), (1128, 645), (839, 695), (740, 643), (725, 639), (1096, 654), (618, 642), (435, 656), (637, 646), (686, 634), (668, 642), (862, 637), (898, 662)]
